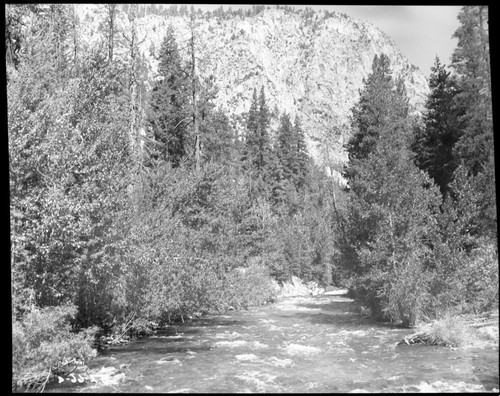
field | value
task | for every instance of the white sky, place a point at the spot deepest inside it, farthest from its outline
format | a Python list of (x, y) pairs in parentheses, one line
[(420, 32)]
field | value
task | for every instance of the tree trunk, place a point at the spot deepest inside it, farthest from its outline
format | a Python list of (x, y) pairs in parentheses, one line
[(195, 118), (133, 81), (112, 17)]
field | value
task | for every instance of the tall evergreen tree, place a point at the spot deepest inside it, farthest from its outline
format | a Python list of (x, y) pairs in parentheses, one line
[(291, 169), (111, 28), (282, 162), (170, 112), (287, 147), (251, 136), (257, 151), (435, 141), (474, 150), (471, 62), (391, 210), (263, 144), (302, 158), (392, 215), (218, 137), (380, 103)]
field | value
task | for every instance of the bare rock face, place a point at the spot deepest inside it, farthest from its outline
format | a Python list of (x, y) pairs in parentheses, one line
[(310, 65)]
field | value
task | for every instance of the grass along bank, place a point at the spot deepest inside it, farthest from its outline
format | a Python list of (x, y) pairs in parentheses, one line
[(457, 331)]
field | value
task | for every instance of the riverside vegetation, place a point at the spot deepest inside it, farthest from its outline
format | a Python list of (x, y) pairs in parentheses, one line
[(133, 207)]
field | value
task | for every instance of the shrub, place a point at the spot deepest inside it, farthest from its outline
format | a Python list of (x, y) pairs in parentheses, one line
[(464, 282), (249, 286), (44, 345), (449, 331), (480, 277), (446, 287), (406, 291)]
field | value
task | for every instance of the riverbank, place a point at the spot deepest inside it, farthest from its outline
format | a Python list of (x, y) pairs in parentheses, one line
[(473, 331)]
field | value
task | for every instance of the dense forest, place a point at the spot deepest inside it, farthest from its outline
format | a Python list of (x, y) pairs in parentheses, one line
[(132, 208)]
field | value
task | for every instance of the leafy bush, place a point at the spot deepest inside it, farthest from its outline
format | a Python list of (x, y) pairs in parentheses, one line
[(301, 238), (407, 291), (249, 286), (183, 243), (464, 282), (44, 345), (480, 277)]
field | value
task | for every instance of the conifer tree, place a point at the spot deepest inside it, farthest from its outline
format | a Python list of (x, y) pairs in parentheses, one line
[(372, 110), (302, 158), (287, 148), (474, 150), (251, 140), (264, 118), (435, 141), (218, 137), (111, 16), (170, 111), (381, 103), (471, 62), (283, 161), (391, 208), (257, 150)]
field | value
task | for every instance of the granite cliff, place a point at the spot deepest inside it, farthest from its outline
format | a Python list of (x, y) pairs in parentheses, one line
[(311, 64)]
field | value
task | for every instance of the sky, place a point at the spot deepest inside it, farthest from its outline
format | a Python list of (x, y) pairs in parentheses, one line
[(420, 32)]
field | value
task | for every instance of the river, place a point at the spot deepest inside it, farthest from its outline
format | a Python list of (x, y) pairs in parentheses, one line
[(298, 344)]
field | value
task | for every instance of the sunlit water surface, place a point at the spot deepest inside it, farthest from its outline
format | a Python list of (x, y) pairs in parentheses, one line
[(299, 344)]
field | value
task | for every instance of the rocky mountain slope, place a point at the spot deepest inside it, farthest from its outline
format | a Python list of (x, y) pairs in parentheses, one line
[(312, 65)]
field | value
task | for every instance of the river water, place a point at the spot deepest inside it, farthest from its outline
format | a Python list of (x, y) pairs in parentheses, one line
[(299, 344)]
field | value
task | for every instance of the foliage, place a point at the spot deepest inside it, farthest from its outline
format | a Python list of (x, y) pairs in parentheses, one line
[(379, 104), (217, 138), (169, 114), (187, 239), (44, 346), (391, 209), (248, 286), (450, 330), (471, 62), (292, 250), (406, 290), (289, 166), (480, 274), (100, 236), (303, 234), (456, 148), (62, 234), (435, 141), (257, 155)]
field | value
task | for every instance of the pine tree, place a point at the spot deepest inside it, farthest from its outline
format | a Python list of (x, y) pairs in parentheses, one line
[(392, 216), (283, 161), (287, 148), (474, 150), (391, 208), (435, 141), (372, 110), (251, 137), (257, 144), (264, 118), (471, 62), (111, 28), (381, 103), (218, 137), (302, 158), (170, 111)]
